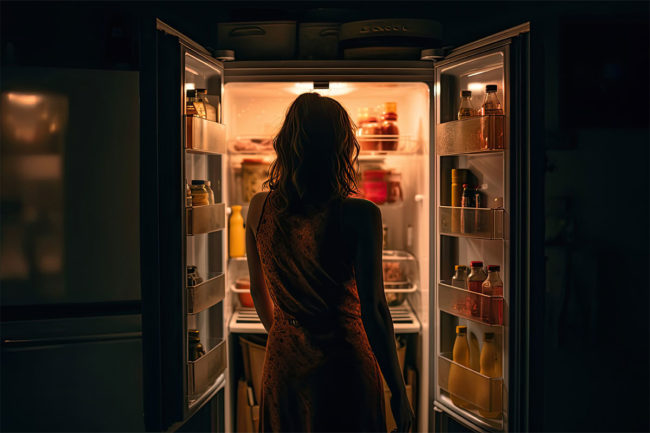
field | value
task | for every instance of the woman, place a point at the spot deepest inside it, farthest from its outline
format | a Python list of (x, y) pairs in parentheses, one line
[(314, 257)]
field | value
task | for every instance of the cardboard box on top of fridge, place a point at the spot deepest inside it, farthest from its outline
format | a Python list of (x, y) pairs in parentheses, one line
[(258, 40)]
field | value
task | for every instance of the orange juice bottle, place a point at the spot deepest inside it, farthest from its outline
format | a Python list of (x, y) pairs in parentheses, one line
[(457, 376), (491, 367), (237, 234)]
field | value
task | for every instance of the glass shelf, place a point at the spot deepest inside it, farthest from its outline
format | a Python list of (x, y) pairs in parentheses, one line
[(387, 144), (204, 136), (482, 223), (206, 294), (478, 307), (483, 392), (474, 135), (205, 219), (203, 372)]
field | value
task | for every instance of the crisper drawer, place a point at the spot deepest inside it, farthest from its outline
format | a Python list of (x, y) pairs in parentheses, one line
[(476, 134), (202, 373), (206, 294), (482, 391), (204, 136), (471, 305), (205, 219), (480, 223)]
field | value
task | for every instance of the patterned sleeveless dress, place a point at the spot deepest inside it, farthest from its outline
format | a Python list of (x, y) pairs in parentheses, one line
[(320, 374)]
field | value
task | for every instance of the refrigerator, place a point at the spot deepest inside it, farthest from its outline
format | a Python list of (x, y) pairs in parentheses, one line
[(425, 236)]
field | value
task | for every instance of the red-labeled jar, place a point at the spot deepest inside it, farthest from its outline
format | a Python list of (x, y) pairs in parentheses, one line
[(389, 127), (375, 187)]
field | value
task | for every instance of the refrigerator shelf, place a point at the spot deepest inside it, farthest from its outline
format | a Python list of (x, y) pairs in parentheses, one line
[(202, 373), (484, 309), (486, 393), (204, 136), (205, 219), (387, 144), (245, 320), (474, 135), (206, 294), (389, 287), (480, 223)]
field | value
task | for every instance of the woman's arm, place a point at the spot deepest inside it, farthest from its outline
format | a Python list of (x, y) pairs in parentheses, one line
[(362, 224), (259, 291)]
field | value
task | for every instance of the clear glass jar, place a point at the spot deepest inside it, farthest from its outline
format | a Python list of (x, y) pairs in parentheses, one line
[(208, 188), (491, 104), (460, 277), (466, 109), (210, 110), (200, 196), (492, 309), (474, 284)]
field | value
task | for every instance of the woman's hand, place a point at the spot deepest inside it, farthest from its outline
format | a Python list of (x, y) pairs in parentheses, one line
[(403, 413)]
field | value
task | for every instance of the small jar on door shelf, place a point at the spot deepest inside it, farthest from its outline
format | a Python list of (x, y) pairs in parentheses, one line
[(200, 195)]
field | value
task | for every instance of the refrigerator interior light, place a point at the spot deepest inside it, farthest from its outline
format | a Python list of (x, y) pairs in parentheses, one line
[(26, 99), (476, 87), (189, 86), (335, 89)]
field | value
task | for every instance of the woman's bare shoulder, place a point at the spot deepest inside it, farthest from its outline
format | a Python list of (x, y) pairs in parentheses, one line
[(360, 210), (255, 210)]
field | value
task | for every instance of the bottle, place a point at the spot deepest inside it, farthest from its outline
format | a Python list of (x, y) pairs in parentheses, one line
[(208, 188), (458, 378), (195, 347), (478, 227), (237, 235), (389, 127), (188, 195), (492, 308), (372, 128), (468, 200), (200, 196), (491, 367), (197, 103), (466, 110), (491, 104), (474, 352), (210, 110), (474, 284), (459, 177), (190, 109), (460, 277)]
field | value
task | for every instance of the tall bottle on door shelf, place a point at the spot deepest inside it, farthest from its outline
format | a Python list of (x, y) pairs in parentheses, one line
[(467, 217), (459, 177), (236, 233), (474, 284), (195, 106), (210, 109), (389, 127), (466, 109), (492, 308), (490, 366), (459, 384), (491, 104)]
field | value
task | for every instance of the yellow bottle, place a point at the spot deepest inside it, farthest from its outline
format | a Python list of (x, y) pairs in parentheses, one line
[(237, 235), (458, 377), (491, 367), (474, 352)]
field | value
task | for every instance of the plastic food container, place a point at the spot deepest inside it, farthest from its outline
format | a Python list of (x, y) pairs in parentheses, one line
[(375, 187), (400, 274), (318, 40), (259, 40)]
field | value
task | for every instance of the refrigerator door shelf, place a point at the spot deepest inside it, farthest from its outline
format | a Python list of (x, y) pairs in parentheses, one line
[(205, 219), (245, 320), (484, 309), (486, 393), (202, 373), (480, 223), (206, 294), (204, 136), (474, 135)]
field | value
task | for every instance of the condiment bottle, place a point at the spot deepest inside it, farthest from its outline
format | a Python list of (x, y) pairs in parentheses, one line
[(389, 127), (468, 200), (210, 110), (474, 284), (466, 110), (196, 349), (237, 234), (459, 384), (490, 363), (459, 177), (491, 104), (460, 277), (208, 188), (492, 308), (200, 196), (190, 109)]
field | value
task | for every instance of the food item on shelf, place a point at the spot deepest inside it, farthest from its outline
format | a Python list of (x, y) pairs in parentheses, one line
[(460, 277), (210, 110), (459, 176), (474, 284), (384, 238), (208, 188), (194, 105), (252, 145), (468, 200), (491, 367), (394, 187), (246, 299), (200, 195), (236, 233), (474, 352), (368, 129), (188, 195), (254, 173), (477, 214), (389, 127), (492, 309), (466, 109), (193, 277), (491, 104), (195, 348), (458, 383), (395, 299), (392, 272), (375, 187)]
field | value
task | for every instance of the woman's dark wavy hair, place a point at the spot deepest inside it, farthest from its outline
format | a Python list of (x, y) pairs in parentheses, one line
[(316, 151)]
